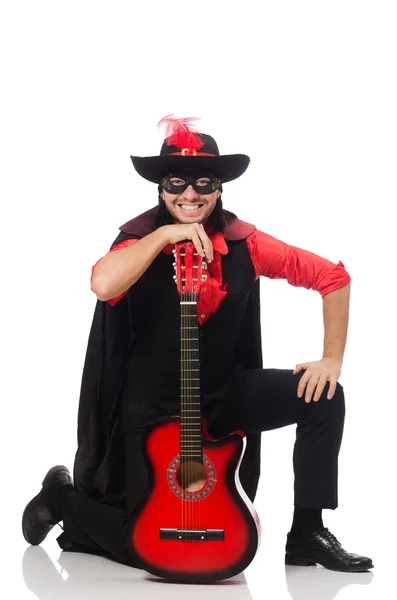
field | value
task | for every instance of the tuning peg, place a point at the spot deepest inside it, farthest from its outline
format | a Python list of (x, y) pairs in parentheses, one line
[(174, 252), (204, 265), (174, 264), (174, 277), (203, 277)]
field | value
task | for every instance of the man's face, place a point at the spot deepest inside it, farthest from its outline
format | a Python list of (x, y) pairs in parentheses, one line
[(190, 206)]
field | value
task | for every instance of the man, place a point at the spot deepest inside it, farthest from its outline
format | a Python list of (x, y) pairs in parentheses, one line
[(131, 374)]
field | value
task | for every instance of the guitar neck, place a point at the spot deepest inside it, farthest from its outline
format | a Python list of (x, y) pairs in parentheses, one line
[(190, 429)]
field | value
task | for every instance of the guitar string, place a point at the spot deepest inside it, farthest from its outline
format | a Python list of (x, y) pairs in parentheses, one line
[(183, 395), (182, 478), (197, 415), (188, 259), (192, 415), (183, 422), (187, 416), (192, 309), (185, 466), (191, 428), (183, 417), (189, 420), (196, 503)]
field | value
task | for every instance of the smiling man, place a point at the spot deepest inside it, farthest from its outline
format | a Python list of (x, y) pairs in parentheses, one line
[(131, 376)]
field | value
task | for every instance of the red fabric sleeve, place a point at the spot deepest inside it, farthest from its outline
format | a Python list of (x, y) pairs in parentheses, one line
[(277, 260), (123, 244)]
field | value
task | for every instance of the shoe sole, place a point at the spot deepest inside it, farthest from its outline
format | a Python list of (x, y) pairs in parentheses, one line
[(46, 478), (303, 561)]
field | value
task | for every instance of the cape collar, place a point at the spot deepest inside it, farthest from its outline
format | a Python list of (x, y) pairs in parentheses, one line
[(235, 229)]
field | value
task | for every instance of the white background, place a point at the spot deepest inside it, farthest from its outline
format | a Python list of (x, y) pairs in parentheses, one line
[(308, 90)]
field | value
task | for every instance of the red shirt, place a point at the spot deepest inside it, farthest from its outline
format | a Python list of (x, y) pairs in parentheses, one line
[(271, 258)]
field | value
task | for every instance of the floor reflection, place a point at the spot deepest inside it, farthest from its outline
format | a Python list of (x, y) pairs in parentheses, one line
[(79, 576), (321, 583)]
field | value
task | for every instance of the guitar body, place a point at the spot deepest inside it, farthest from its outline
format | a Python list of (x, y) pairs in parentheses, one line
[(194, 536)]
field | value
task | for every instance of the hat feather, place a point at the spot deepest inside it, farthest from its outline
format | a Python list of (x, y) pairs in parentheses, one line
[(181, 133)]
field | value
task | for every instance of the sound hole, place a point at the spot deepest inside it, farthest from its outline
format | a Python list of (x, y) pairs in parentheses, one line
[(191, 476)]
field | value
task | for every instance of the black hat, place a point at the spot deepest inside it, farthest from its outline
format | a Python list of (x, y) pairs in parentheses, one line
[(185, 149)]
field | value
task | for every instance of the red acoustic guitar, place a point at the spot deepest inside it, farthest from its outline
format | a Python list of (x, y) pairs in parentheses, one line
[(196, 523)]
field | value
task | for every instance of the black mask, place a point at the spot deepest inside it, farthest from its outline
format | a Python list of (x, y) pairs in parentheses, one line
[(186, 179)]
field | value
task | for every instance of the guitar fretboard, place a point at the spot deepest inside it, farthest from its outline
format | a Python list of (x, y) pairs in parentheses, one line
[(191, 443)]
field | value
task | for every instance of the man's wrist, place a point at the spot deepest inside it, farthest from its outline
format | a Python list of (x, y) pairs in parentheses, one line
[(163, 235), (338, 358)]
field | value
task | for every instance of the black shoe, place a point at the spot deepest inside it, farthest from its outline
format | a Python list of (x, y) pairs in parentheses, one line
[(37, 521), (322, 547)]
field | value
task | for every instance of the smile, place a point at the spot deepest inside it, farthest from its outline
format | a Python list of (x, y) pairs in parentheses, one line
[(190, 208)]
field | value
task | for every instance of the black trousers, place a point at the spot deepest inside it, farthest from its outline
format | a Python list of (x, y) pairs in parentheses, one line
[(257, 400)]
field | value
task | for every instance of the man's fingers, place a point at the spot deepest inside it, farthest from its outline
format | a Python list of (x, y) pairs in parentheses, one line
[(332, 389), (201, 241), (302, 383), (207, 245), (319, 389), (198, 244), (315, 378), (310, 389), (209, 253)]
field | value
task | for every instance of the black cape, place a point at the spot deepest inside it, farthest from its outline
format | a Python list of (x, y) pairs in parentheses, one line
[(99, 468)]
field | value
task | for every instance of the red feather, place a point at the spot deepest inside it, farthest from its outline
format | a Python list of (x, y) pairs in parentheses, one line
[(181, 133)]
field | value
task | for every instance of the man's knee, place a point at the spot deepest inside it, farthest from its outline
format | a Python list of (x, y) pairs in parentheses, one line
[(336, 405)]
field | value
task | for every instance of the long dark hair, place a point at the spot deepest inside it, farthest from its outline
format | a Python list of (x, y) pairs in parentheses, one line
[(217, 218)]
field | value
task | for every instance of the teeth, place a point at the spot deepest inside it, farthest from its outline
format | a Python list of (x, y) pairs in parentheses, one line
[(188, 207)]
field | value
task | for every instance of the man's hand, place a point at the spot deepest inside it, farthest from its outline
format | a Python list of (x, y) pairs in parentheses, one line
[(194, 232), (316, 376)]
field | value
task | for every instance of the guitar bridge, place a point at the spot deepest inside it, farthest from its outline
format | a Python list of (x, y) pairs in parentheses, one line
[(196, 535)]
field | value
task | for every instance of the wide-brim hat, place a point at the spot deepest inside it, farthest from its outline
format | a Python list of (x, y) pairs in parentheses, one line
[(186, 149)]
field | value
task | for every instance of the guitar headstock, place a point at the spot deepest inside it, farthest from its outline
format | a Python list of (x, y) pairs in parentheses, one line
[(189, 267)]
